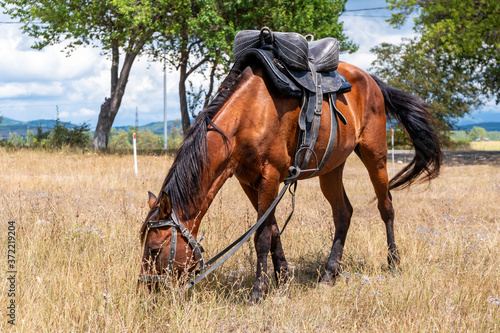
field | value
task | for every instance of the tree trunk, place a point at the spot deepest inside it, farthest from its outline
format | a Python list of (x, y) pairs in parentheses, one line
[(110, 107), (186, 122)]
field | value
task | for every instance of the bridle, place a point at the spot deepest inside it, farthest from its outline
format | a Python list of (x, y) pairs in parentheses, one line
[(174, 225)]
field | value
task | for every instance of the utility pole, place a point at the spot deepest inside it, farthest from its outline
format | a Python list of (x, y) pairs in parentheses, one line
[(164, 101), (136, 119)]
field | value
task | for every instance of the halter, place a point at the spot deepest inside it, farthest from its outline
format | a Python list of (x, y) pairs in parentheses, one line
[(174, 224)]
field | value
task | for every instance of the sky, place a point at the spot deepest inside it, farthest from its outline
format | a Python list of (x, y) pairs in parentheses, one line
[(35, 84)]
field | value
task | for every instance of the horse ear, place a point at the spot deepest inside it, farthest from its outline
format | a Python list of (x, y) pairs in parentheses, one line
[(152, 200), (165, 205)]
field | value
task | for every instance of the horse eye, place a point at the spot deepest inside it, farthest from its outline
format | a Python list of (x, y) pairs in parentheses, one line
[(155, 253)]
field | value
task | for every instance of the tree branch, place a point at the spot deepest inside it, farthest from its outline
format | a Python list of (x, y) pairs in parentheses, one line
[(195, 67)]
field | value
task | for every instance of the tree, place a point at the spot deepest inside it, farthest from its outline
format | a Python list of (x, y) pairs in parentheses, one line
[(15, 139), (200, 38), (477, 133), (30, 138), (113, 25), (450, 92), (453, 62), (119, 140), (463, 35)]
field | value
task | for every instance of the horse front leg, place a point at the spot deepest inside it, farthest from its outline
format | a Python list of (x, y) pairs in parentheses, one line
[(266, 193), (277, 254)]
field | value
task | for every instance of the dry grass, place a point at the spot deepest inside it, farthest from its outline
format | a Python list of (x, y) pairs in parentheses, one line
[(485, 145), (78, 254)]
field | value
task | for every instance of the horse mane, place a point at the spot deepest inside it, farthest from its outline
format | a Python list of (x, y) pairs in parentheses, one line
[(184, 179)]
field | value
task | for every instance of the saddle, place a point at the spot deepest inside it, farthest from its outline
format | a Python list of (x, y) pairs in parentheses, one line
[(298, 68)]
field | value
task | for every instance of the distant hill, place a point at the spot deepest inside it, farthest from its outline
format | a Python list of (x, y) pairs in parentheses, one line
[(21, 127), (156, 128), (9, 125), (490, 126)]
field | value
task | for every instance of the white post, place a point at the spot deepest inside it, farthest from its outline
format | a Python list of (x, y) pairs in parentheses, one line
[(135, 155), (392, 144)]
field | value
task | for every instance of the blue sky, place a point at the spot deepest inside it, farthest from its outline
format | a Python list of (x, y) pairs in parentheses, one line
[(33, 83)]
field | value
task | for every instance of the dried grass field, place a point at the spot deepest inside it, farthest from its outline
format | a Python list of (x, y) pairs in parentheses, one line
[(77, 253)]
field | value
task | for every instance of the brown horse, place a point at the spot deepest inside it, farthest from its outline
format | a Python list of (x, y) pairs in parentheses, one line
[(251, 132)]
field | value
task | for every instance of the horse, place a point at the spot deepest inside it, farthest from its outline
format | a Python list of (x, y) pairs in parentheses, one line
[(250, 131)]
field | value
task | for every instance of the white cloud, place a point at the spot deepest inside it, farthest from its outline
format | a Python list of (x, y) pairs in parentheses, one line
[(86, 112), (30, 89)]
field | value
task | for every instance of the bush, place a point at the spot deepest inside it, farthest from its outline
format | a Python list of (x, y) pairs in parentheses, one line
[(61, 136)]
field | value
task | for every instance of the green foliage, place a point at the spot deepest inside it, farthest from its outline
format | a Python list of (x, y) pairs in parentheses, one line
[(30, 138), (401, 139), (463, 36), (119, 140), (477, 133), (147, 141), (174, 137), (62, 136), (15, 140), (409, 67), (494, 135), (459, 135)]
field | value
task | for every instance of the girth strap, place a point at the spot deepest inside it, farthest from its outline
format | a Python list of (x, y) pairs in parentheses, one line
[(333, 133)]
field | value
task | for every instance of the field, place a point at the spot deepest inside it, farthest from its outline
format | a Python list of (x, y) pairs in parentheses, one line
[(485, 145), (77, 254)]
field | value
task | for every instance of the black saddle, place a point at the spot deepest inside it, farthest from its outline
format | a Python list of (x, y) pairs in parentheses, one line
[(291, 61)]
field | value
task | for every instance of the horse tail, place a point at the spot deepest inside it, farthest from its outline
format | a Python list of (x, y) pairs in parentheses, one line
[(413, 115)]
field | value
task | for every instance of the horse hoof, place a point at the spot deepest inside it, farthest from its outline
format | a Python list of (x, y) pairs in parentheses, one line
[(327, 279), (255, 297), (281, 277), (393, 259)]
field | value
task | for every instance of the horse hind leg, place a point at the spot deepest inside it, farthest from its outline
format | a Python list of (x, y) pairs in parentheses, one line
[(333, 189), (375, 161)]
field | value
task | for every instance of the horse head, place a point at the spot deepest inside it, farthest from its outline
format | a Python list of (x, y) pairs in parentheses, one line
[(171, 251)]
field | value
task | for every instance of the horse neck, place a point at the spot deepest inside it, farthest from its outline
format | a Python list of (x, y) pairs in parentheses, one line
[(220, 164)]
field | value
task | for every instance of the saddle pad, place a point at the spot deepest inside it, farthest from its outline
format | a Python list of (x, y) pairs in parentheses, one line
[(291, 85)]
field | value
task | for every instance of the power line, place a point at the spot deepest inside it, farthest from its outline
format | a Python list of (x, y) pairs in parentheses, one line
[(5, 22), (383, 16), (363, 9)]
